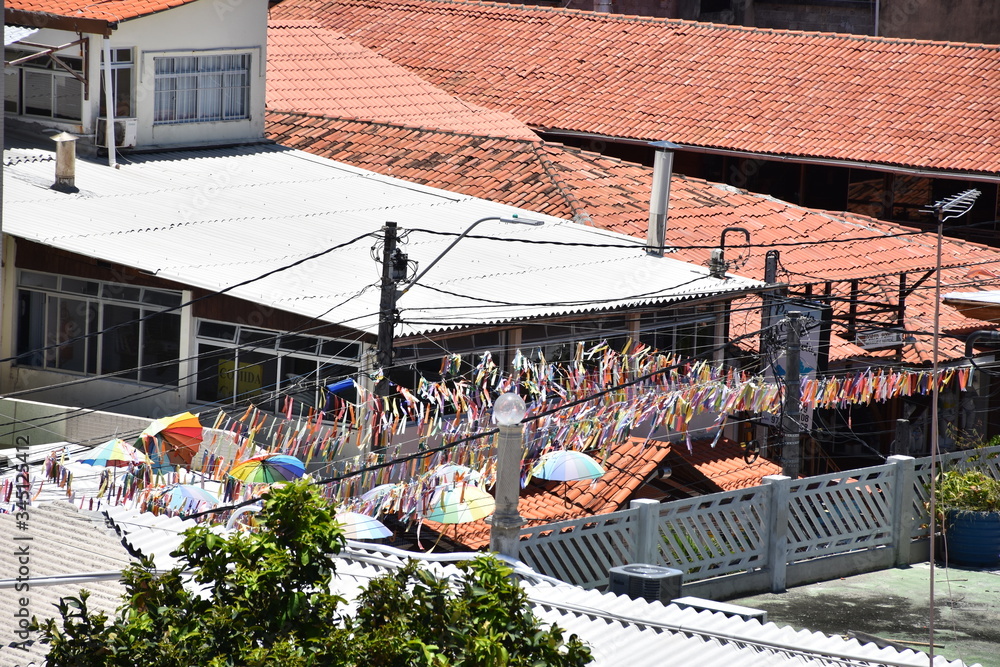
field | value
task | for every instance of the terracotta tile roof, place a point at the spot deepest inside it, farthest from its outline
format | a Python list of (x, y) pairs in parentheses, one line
[(542, 502), (111, 11), (609, 193), (877, 100), (628, 466), (721, 468), (314, 70), (543, 177)]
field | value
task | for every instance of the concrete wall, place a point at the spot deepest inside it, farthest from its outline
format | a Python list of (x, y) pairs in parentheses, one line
[(821, 17), (941, 20), (44, 423)]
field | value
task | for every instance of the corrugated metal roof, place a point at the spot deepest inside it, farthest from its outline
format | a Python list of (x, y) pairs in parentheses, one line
[(622, 631), (990, 296), (148, 534), (15, 33), (216, 218), (619, 630), (63, 540)]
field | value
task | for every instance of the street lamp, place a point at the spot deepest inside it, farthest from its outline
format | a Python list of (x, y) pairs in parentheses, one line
[(505, 524), (391, 266)]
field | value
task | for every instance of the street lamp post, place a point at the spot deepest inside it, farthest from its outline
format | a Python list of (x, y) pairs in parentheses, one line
[(506, 522), (387, 310)]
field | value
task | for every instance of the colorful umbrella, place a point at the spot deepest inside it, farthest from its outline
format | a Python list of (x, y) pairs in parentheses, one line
[(186, 496), (172, 440), (453, 473), (459, 504), (566, 465), (268, 469), (115, 453), (358, 526)]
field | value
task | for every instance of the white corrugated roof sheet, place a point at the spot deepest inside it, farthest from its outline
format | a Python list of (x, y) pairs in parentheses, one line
[(985, 296), (61, 540), (217, 218), (619, 630)]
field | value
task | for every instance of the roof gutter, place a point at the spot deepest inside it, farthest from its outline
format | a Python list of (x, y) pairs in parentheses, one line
[(828, 162)]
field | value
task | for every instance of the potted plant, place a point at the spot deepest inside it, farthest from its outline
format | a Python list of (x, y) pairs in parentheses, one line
[(969, 503)]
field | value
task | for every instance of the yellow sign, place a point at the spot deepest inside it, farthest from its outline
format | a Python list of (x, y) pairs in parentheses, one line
[(245, 382)]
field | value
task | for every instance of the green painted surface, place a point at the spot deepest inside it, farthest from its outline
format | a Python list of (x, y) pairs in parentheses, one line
[(894, 605)]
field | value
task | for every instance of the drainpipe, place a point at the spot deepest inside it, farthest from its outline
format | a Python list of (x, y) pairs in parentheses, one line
[(991, 336), (109, 103), (659, 197)]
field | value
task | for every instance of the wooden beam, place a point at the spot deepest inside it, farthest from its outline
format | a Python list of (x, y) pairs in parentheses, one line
[(55, 22)]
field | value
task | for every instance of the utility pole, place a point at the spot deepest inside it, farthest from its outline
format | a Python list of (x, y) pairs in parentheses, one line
[(387, 306), (791, 452)]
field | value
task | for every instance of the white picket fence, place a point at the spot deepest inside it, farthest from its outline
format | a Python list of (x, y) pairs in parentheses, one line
[(782, 533)]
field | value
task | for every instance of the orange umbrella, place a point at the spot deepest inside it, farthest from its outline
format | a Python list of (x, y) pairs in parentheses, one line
[(172, 440)]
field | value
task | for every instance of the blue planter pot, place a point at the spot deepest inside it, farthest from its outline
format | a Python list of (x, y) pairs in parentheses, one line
[(973, 538)]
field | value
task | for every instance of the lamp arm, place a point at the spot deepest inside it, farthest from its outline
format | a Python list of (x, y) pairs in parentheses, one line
[(445, 252), (461, 236)]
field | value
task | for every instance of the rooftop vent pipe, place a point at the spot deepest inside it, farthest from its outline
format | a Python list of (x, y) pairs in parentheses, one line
[(65, 162), (659, 197)]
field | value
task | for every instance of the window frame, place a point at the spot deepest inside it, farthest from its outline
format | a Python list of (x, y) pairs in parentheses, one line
[(97, 295), (258, 341), (232, 83)]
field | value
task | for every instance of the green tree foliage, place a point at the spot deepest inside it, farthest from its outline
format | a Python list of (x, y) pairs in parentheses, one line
[(263, 598)]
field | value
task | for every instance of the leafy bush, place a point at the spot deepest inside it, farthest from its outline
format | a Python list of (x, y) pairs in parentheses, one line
[(969, 490), (263, 600)]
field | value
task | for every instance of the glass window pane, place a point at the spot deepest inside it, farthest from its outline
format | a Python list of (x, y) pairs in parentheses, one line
[(340, 348), (30, 328), (120, 341), (37, 93), (263, 338), (44, 280), (216, 377), (217, 330), (11, 90), (72, 322), (298, 344), (159, 298), (161, 335), (120, 292), (80, 286), (255, 374), (68, 98)]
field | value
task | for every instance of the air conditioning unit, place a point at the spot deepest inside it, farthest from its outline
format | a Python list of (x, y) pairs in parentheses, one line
[(648, 582), (126, 130)]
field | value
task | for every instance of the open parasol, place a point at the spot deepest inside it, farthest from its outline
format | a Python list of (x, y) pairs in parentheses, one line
[(358, 526), (171, 440), (115, 453), (186, 496), (460, 503), (566, 465), (268, 469)]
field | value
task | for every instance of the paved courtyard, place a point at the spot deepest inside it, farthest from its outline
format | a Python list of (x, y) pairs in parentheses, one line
[(894, 605)]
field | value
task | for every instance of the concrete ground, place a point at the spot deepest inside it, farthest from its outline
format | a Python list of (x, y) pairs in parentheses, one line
[(894, 605)]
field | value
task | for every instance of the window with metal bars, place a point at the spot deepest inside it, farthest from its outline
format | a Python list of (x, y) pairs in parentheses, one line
[(198, 89)]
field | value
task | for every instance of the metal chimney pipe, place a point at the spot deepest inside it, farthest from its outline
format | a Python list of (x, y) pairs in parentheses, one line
[(65, 162), (659, 197)]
